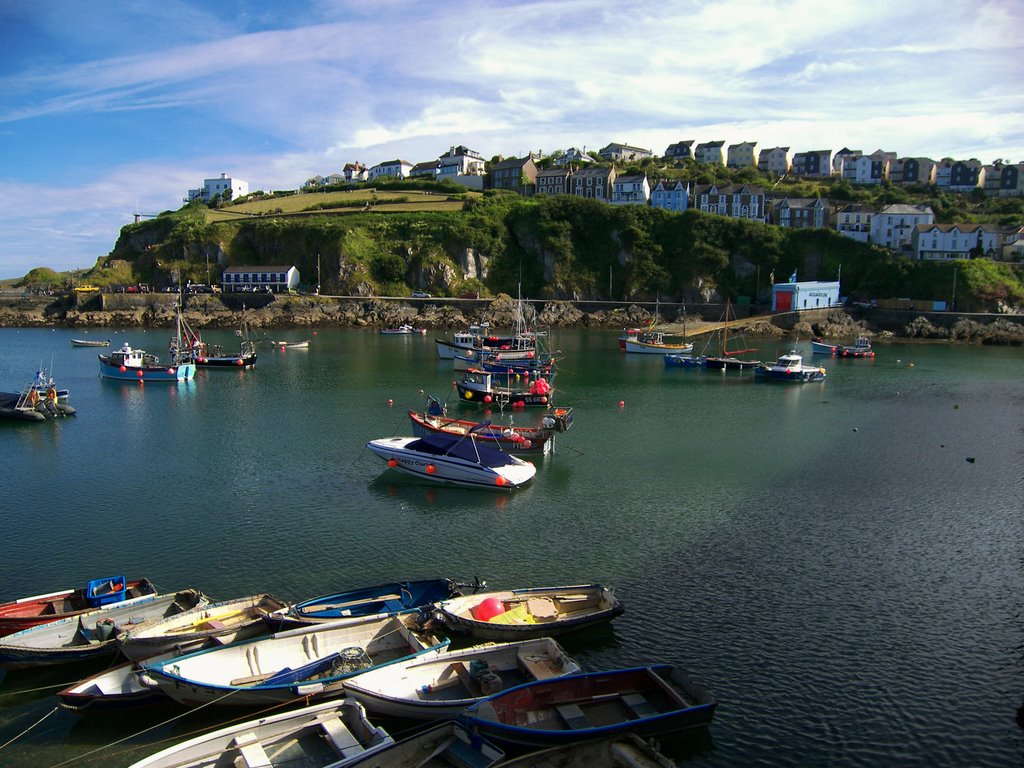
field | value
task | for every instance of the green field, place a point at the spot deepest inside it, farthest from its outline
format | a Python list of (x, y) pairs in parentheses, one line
[(353, 201)]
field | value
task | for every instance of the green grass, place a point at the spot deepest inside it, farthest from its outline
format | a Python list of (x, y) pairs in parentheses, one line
[(355, 201)]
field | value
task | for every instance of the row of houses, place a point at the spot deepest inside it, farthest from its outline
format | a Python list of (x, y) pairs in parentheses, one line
[(466, 167)]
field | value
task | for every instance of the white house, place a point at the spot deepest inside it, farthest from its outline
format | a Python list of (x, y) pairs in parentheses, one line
[(355, 172), (624, 152), (873, 168), (797, 297), (573, 156), (227, 187), (893, 226), (262, 278), (631, 190), (672, 196), (399, 169), (462, 166), (934, 242)]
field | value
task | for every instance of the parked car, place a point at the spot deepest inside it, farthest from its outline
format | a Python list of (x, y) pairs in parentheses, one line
[(420, 295)]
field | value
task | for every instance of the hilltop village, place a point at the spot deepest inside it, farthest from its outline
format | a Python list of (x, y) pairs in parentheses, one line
[(683, 178)]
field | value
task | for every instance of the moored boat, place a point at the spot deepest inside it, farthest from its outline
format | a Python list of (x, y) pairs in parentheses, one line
[(208, 355), (439, 687), (654, 343), (524, 613), (90, 635), (454, 460), (26, 612), (403, 330), (516, 440), (649, 700), (90, 343), (482, 387), (331, 734), (860, 348), (115, 688), (224, 622), (621, 750), (379, 600), (821, 347), (31, 405), (130, 364), (444, 745), (790, 367), (309, 662)]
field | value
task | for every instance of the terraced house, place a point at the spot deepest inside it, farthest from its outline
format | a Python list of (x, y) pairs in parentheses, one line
[(594, 183), (631, 190), (738, 201)]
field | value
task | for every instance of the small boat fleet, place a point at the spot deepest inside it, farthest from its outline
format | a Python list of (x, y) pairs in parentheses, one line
[(479, 673)]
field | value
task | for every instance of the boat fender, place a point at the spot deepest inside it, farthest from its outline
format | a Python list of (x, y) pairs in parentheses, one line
[(33, 397), (490, 683)]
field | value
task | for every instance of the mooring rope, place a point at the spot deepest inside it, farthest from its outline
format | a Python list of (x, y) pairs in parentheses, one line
[(37, 722)]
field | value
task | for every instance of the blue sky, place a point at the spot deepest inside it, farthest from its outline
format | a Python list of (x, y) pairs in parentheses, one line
[(111, 107)]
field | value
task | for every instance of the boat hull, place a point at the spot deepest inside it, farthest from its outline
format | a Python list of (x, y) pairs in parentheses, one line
[(452, 470), (164, 374), (644, 348), (90, 635), (380, 600), (340, 728), (518, 441), (226, 361), (290, 666), (32, 611), (528, 613), (652, 700), (439, 687)]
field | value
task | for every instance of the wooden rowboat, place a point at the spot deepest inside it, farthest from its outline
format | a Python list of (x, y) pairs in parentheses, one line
[(651, 700), (334, 734), (439, 687), (26, 612), (525, 613)]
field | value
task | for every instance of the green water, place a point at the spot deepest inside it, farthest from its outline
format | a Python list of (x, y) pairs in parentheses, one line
[(824, 558)]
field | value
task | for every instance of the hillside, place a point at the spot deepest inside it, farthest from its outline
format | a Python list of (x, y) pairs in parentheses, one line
[(387, 241)]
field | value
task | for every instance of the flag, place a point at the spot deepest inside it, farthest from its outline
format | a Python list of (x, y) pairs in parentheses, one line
[(792, 278)]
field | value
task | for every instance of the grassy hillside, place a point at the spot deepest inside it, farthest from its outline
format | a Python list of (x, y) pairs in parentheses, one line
[(388, 241)]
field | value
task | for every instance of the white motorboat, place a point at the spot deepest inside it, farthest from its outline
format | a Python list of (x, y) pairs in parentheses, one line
[(456, 460), (790, 367)]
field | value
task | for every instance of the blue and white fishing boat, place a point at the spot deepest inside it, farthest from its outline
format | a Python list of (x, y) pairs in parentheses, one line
[(290, 666), (379, 600), (650, 700), (130, 364)]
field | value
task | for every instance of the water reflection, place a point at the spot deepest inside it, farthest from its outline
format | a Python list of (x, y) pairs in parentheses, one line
[(426, 497)]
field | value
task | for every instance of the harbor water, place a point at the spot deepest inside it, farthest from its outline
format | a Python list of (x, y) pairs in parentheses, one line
[(839, 564)]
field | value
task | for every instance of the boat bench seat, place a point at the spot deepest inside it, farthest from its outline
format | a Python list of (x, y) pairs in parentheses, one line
[(250, 752), (461, 754), (538, 667), (573, 716), (341, 738), (638, 705)]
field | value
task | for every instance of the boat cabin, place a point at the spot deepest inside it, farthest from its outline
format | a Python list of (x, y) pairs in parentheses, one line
[(131, 358)]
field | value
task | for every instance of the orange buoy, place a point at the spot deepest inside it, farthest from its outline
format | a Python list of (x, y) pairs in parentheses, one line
[(622, 403), (392, 463), (431, 469), (500, 481)]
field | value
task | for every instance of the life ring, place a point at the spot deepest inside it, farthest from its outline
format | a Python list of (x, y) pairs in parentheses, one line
[(51, 395), (33, 397)]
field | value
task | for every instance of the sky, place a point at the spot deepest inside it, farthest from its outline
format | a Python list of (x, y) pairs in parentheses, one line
[(112, 107)]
